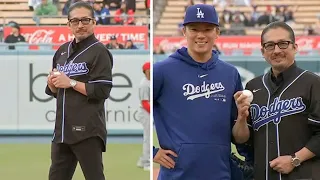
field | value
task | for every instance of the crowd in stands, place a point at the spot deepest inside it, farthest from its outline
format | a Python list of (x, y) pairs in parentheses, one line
[(124, 10), (123, 13), (235, 22)]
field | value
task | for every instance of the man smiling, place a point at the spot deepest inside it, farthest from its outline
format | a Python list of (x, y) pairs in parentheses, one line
[(285, 112), (194, 108), (81, 81)]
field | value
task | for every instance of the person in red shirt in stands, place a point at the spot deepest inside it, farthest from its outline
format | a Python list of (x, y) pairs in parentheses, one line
[(147, 4), (124, 16)]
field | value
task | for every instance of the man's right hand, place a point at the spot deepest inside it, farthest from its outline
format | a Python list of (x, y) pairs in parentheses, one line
[(163, 159), (243, 106)]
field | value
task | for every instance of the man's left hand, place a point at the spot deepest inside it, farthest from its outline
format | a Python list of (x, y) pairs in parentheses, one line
[(61, 80), (282, 164)]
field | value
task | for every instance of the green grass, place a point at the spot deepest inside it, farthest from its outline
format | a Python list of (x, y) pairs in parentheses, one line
[(32, 162)]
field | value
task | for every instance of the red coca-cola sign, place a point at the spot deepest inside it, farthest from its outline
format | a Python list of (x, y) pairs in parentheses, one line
[(61, 34), (39, 36)]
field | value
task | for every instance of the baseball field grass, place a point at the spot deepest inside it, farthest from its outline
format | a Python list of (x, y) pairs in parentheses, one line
[(32, 162)]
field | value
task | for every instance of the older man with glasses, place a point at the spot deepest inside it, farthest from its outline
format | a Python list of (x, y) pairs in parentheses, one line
[(285, 112), (80, 80)]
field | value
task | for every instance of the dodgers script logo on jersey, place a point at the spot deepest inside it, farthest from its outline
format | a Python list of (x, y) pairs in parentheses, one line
[(275, 111), (74, 69), (205, 90)]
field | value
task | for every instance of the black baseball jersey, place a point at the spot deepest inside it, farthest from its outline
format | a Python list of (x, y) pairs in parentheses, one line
[(285, 117), (79, 117)]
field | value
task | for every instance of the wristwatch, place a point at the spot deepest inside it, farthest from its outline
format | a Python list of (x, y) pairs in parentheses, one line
[(295, 161), (73, 83)]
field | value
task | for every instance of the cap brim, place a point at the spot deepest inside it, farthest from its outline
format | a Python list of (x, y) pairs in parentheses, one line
[(209, 22)]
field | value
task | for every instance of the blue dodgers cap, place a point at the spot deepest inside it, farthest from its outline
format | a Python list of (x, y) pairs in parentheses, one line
[(202, 13)]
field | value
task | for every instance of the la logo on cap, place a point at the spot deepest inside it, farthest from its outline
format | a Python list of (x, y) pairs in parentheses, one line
[(200, 14)]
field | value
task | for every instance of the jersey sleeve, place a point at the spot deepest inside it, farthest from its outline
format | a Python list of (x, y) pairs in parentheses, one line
[(100, 81), (314, 119)]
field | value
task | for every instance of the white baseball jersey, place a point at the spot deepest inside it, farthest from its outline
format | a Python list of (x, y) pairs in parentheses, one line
[(144, 93)]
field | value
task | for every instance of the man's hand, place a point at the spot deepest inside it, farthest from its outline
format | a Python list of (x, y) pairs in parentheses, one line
[(242, 105), (282, 164), (163, 159), (61, 80), (50, 83)]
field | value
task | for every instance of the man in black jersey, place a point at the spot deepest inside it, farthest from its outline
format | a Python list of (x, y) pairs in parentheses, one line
[(80, 80), (284, 113)]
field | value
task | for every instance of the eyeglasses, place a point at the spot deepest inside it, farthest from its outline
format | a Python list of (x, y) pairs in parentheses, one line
[(271, 45), (84, 21)]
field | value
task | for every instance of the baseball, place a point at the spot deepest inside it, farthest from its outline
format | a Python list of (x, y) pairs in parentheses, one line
[(56, 73), (248, 94)]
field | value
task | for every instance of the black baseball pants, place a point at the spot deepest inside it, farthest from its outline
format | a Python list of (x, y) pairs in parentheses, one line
[(64, 159)]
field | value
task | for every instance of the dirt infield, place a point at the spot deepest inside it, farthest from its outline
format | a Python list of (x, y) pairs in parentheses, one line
[(155, 173)]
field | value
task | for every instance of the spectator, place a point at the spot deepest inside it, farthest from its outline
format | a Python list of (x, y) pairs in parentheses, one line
[(308, 30), (288, 14), (113, 44), (131, 4), (249, 20), (129, 45), (15, 35), (112, 4), (46, 8), (267, 17), (147, 4), (67, 5), (226, 17), (279, 16), (33, 4), (101, 14), (225, 21), (123, 15), (237, 26), (254, 15)]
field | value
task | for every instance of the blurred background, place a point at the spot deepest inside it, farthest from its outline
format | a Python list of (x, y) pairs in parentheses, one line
[(241, 23), (30, 32)]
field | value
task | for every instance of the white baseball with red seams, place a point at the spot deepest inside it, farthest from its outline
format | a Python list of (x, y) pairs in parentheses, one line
[(249, 95)]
